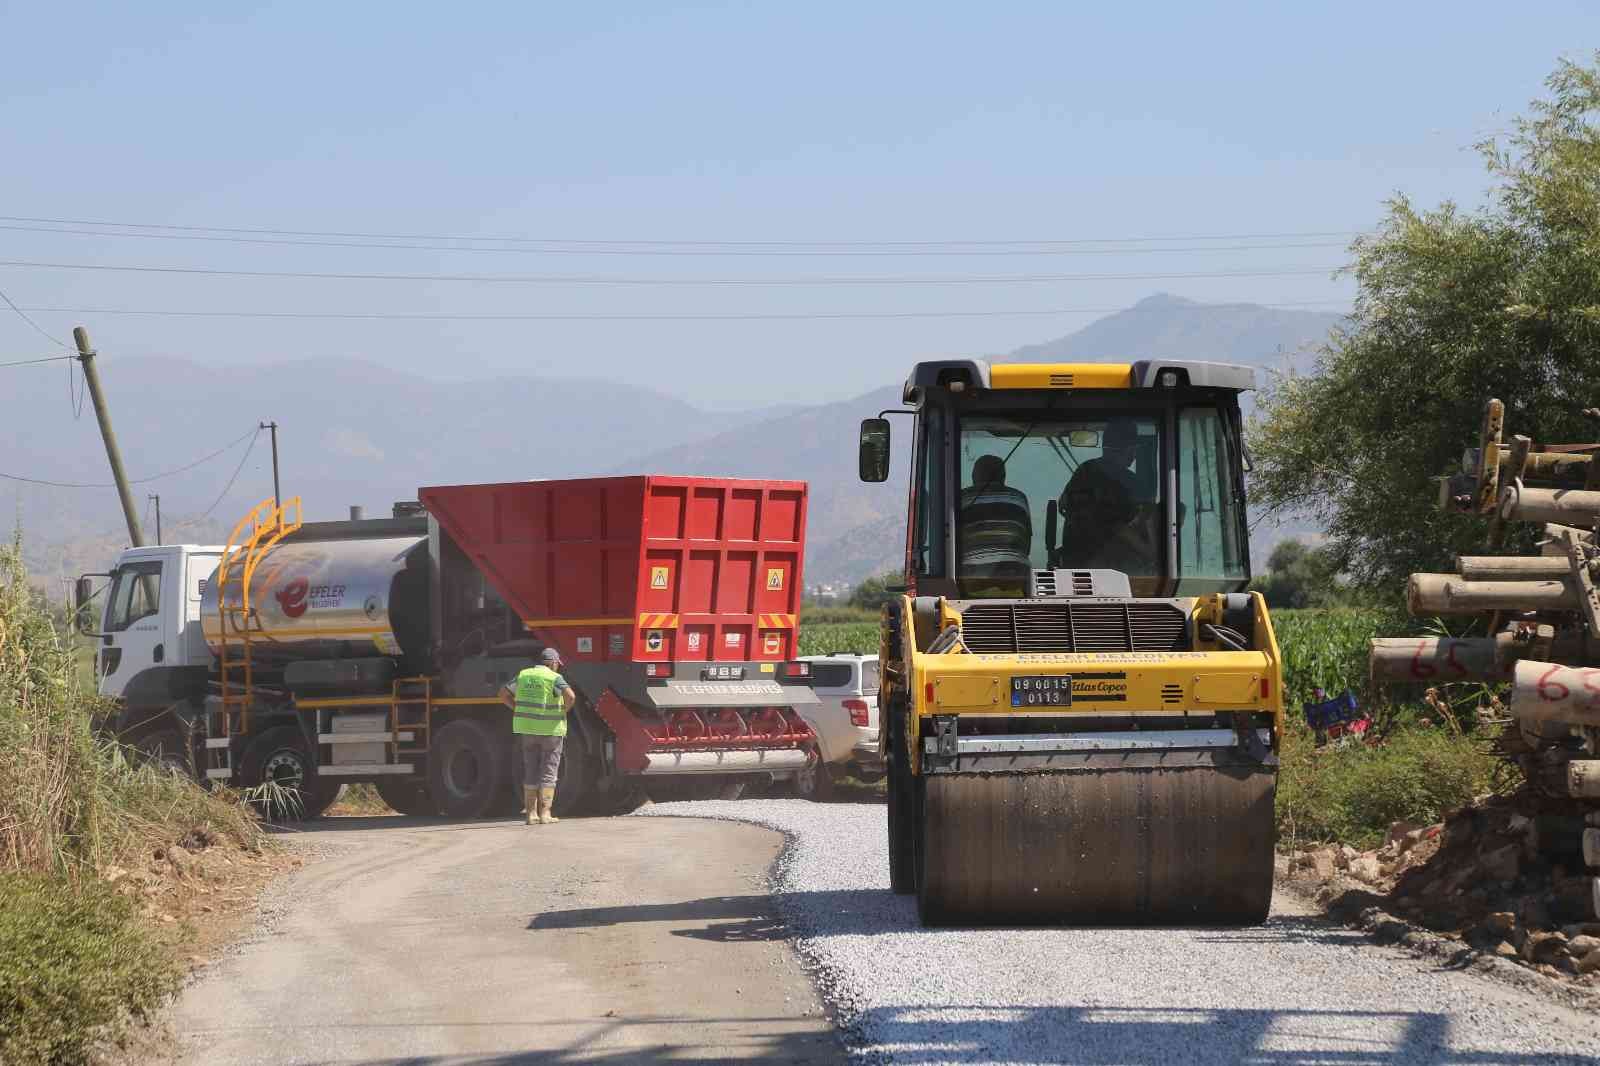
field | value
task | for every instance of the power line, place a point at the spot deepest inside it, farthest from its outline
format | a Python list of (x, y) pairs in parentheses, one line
[(132, 481), (912, 251), (35, 362), (226, 488), (36, 327), (756, 317), (593, 279), (1034, 242)]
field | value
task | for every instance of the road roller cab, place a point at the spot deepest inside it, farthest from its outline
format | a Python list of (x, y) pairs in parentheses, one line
[(1082, 704)]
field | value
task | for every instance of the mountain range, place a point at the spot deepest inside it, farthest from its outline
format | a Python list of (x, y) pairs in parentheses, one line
[(354, 432)]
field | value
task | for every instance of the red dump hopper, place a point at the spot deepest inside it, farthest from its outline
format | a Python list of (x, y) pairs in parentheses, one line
[(643, 569)]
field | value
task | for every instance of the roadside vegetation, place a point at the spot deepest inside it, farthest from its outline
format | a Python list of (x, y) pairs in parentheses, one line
[(79, 960)]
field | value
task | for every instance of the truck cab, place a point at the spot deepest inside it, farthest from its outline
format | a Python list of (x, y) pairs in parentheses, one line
[(152, 652)]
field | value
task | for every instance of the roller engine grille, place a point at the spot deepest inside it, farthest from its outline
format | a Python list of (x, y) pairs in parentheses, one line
[(1094, 626)]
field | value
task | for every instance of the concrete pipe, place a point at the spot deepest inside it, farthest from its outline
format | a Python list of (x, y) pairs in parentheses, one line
[(1513, 567), (1572, 507), (1549, 692), (1436, 659), (1583, 778), (1428, 594)]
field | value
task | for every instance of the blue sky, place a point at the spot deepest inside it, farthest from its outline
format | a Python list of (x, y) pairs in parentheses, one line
[(723, 122)]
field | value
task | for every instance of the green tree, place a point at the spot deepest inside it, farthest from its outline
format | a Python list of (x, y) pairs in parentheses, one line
[(874, 592), (1298, 576), (1454, 307)]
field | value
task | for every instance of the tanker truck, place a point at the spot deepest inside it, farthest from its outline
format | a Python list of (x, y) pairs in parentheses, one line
[(314, 654)]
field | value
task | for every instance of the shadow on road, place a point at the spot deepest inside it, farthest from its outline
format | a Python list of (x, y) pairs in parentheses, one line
[(1086, 1036), (716, 918), (859, 912)]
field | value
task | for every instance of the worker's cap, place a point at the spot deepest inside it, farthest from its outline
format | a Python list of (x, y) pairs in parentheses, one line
[(551, 656)]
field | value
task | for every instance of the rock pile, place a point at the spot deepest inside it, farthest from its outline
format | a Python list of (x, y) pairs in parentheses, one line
[(1494, 874)]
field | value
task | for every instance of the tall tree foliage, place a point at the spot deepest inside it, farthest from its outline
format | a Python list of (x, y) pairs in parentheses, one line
[(1454, 307)]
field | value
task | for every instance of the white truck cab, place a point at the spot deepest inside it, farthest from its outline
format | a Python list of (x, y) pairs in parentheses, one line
[(152, 650)]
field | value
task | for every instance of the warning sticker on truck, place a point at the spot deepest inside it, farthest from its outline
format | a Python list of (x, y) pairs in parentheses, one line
[(659, 576), (774, 579), (652, 640)]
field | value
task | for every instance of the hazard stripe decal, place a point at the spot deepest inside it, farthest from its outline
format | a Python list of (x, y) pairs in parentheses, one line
[(777, 621), (658, 621)]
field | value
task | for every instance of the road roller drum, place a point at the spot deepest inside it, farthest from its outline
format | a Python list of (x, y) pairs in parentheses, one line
[(1189, 844)]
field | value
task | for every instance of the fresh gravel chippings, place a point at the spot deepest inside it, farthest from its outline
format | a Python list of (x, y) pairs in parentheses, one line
[(1296, 990)]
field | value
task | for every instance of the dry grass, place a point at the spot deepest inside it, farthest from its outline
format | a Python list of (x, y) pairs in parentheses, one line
[(81, 962)]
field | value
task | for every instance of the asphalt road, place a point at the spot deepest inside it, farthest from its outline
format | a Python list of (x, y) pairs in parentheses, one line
[(410, 941)]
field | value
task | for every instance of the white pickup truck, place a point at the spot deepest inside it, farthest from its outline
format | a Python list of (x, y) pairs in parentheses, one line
[(846, 719)]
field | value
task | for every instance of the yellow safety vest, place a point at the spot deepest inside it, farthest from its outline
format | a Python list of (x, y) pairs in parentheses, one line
[(538, 711)]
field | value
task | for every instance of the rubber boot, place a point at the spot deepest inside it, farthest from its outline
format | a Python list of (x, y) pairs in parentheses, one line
[(547, 800), (529, 800)]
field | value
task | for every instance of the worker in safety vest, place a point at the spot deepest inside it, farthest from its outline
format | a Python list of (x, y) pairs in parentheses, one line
[(539, 699)]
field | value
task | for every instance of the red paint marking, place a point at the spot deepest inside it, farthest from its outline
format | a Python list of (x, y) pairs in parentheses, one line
[(1420, 668), (1545, 685)]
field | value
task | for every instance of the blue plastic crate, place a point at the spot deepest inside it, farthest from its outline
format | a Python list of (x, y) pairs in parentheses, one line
[(1337, 711)]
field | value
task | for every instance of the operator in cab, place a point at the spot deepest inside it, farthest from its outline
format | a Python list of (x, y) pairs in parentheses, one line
[(995, 534), (539, 698), (1108, 512)]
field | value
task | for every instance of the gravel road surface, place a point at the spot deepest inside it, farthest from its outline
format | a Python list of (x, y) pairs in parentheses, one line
[(420, 942), (1297, 990)]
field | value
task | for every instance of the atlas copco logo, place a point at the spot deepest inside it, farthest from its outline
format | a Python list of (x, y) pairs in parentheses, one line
[(292, 597)]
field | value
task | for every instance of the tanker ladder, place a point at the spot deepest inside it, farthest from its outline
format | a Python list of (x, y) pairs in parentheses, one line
[(268, 524)]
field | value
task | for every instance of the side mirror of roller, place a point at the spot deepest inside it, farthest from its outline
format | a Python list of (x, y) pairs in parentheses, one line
[(873, 456)]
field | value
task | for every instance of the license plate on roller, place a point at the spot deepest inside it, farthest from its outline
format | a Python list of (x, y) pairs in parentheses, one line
[(1040, 690)]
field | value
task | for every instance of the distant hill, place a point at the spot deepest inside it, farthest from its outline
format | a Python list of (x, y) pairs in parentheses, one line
[(1169, 327), (357, 433), (350, 433), (858, 530)]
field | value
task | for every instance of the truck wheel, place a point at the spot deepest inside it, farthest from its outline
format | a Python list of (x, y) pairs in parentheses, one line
[(407, 796), (283, 771), (578, 778), (165, 749), (465, 770)]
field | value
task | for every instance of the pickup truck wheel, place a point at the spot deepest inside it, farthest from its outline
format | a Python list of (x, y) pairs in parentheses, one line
[(815, 783), (465, 770), (279, 765), (407, 796)]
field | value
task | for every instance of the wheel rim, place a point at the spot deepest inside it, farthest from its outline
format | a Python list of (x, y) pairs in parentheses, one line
[(163, 756), (461, 772), (285, 767)]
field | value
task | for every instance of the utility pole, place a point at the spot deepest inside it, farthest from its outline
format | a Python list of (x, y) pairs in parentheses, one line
[(91, 377), (156, 496), (277, 496)]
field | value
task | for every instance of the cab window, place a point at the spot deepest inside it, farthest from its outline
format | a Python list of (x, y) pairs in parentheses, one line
[(1211, 533), (1043, 490), (136, 594)]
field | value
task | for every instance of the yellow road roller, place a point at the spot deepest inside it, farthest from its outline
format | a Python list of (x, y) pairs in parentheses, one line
[(1082, 704)]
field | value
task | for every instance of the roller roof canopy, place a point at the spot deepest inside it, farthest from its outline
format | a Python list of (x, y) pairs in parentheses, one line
[(1144, 373)]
